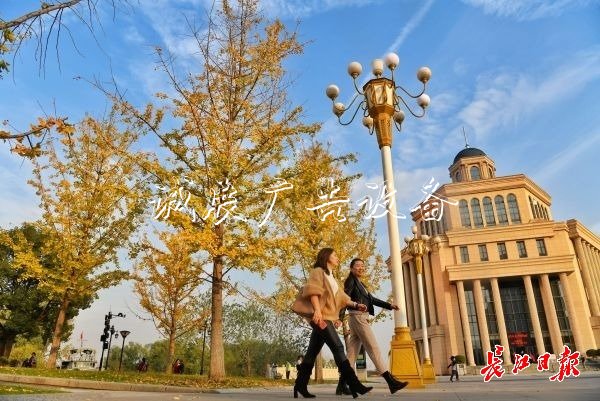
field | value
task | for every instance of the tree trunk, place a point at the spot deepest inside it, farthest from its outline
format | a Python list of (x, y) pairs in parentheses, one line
[(217, 352), (6, 343), (57, 334), (170, 358), (319, 368)]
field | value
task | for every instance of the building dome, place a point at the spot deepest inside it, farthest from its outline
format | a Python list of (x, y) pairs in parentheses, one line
[(468, 152)]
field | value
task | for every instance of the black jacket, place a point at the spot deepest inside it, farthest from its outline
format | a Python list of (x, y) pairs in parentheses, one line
[(358, 293)]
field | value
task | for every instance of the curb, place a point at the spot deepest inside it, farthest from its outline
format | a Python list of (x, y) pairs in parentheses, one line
[(100, 385)]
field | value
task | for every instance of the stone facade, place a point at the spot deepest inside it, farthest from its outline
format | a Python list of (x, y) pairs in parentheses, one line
[(502, 271)]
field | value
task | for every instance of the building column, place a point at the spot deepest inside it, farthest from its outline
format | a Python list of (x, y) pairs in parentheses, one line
[(408, 296), (573, 321), (594, 263), (429, 289), (534, 317), (481, 318), (588, 281), (464, 317), (414, 295), (551, 318), (500, 319)]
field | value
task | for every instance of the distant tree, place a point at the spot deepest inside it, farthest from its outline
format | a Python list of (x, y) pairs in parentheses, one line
[(255, 336), (91, 205), (168, 284), (26, 309), (132, 354)]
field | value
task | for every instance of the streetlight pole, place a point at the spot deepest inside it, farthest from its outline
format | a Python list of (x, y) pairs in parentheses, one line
[(381, 105), (203, 345), (112, 332), (104, 338), (124, 334), (417, 247)]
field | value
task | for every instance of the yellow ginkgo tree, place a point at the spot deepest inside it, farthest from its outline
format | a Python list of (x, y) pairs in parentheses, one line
[(229, 128), (91, 203), (168, 281)]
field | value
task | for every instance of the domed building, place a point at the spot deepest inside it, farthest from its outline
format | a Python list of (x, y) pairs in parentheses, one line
[(502, 271)]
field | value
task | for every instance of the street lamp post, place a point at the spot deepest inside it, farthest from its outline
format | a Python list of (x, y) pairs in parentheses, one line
[(203, 345), (104, 338), (112, 333), (382, 105), (124, 334), (417, 248)]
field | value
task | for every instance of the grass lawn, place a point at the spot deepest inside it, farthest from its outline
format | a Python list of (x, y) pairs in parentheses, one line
[(16, 389), (149, 378)]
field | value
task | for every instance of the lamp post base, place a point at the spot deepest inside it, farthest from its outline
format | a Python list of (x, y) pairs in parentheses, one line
[(428, 372), (404, 361)]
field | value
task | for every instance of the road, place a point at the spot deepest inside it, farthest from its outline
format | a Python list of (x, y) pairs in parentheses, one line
[(586, 387)]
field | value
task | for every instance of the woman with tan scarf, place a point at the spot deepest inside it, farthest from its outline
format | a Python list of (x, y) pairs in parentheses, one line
[(327, 299)]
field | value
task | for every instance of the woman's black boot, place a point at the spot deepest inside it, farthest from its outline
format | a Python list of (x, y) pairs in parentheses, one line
[(349, 376), (342, 388), (393, 383), (304, 371)]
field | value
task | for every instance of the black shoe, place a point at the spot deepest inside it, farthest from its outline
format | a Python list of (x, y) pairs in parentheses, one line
[(349, 376), (304, 371), (342, 388), (393, 383)]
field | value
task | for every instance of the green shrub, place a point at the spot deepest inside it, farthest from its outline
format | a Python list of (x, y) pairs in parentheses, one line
[(14, 363), (3, 361), (460, 359), (590, 353)]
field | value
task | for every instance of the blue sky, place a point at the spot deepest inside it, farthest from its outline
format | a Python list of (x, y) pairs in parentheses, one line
[(521, 77)]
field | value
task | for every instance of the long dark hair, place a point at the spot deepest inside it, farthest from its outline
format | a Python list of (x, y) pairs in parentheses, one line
[(322, 258)]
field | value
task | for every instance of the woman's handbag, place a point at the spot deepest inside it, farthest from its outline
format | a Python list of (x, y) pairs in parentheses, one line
[(302, 306)]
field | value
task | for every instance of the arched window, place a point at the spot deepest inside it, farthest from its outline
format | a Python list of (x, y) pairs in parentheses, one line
[(457, 176), (533, 210), (465, 218), (501, 210), (513, 209), (491, 172), (476, 210), (475, 174), (422, 228), (488, 210)]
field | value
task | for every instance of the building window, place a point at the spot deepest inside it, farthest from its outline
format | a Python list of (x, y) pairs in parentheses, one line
[(475, 175), (502, 254), (464, 254), (488, 210), (483, 255), (457, 176), (533, 210), (513, 209), (476, 210), (522, 249), (465, 219), (501, 210), (541, 247)]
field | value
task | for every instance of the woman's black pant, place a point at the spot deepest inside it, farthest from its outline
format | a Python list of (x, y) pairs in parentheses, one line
[(328, 336)]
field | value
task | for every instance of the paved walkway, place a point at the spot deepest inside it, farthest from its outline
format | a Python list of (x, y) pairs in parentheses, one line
[(586, 387)]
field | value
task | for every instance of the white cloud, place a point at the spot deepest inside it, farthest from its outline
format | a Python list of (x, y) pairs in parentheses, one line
[(410, 26), (504, 97), (19, 202), (561, 160), (527, 10), (305, 8)]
